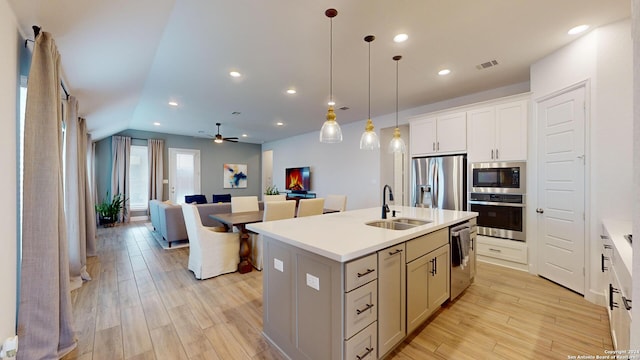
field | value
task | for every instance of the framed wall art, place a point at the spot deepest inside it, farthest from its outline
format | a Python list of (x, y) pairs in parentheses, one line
[(235, 176)]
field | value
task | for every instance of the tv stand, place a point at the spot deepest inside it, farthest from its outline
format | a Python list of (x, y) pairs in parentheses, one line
[(300, 194)]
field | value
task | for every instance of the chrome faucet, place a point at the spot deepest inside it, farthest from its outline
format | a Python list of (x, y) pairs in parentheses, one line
[(385, 207)]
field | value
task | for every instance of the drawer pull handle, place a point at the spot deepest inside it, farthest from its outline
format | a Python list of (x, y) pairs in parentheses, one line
[(607, 246), (612, 290), (604, 258), (627, 303), (369, 350), (495, 250), (358, 311), (369, 271), (604, 237), (395, 252)]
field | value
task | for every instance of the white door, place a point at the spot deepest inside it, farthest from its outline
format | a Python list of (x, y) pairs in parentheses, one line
[(184, 173), (561, 194)]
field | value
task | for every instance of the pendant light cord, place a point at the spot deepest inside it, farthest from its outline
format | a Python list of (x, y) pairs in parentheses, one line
[(397, 92), (369, 79), (331, 62)]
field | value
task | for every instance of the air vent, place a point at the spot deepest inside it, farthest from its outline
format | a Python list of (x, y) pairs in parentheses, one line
[(344, 108), (235, 113), (487, 64)]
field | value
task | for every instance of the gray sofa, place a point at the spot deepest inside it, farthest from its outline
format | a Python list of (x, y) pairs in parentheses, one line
[(167, 219)]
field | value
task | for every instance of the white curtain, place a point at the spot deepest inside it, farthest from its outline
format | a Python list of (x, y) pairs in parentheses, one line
[(80, 219), (45, 320), (120, 151), (155, 149)]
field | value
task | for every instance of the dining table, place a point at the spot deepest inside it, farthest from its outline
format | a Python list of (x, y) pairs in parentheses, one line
[(240, 220)]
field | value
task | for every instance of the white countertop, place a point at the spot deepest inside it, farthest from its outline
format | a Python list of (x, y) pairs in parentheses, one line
[(617, 229), (344, 236)]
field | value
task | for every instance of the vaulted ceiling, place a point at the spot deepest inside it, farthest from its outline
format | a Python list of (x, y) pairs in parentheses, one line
[(126, 60)]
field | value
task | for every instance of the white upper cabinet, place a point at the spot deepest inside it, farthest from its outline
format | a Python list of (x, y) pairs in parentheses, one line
[(446, 133), (498, 133)]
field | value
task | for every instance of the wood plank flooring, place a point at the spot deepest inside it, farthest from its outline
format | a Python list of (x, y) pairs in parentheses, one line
[(143, 303)]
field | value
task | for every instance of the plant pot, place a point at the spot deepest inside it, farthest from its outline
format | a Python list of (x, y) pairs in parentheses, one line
[(107, 221)]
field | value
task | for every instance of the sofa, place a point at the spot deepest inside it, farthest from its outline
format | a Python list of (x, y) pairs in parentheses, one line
[(167, 218)]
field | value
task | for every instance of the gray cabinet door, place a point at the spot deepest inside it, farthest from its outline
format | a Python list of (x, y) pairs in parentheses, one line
[(439, 277), (391, 297)]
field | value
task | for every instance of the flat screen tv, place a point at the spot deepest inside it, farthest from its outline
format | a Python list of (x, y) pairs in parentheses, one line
[(297, 179)]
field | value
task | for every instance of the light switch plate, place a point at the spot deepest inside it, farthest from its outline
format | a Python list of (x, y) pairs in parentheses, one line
[(313, 282), (278, 265)]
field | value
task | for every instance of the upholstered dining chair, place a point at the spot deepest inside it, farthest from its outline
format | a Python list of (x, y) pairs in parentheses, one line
[(244, 204), (211, 253), (273, 210), (336, 202), (279, 197), (310, 207)]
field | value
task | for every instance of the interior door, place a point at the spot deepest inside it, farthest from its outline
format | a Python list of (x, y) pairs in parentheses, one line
[(561, 193), (184, 173)]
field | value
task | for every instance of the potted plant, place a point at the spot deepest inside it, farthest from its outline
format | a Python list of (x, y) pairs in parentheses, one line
[(272, 190), (109, 210)]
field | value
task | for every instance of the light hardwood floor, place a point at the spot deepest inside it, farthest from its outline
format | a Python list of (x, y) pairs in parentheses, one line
[(143, 303)]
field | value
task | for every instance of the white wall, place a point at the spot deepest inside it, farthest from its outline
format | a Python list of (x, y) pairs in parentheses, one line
[(604, 58), (345, 169), (8, 214)]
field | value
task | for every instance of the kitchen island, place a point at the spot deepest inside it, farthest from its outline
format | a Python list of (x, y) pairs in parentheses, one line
[(335, 287)]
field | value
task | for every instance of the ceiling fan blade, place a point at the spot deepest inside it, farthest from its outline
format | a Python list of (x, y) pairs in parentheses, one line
[(231, 139)]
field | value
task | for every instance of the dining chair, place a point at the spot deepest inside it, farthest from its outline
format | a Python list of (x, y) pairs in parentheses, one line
[(199, 199), (221, 198), (273, 210), (310, 207), (280, 197), (244, 204), (336, 202), (211, 253)]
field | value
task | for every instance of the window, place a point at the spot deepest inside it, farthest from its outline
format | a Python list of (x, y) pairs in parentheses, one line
[(138, 178)]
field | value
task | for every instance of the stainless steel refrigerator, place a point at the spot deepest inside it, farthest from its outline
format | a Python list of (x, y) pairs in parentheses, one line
[(440, 182)]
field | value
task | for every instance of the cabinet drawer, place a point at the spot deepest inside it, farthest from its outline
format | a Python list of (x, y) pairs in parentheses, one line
[(509, 250), (363, 345), (426, 243), (360, 308), (360, 272)]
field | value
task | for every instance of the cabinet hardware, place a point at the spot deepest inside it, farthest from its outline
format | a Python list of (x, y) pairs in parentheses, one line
[(395, 252), (604, 237), (434, 146), (607, 246), (433, 267), (369, 350), (540, 210), (612, 290), (358, 311), (495, 250), (497, 157), (471, 243), (369, 271), (603, 258), (491, 154), (438, 145), (627, 303)]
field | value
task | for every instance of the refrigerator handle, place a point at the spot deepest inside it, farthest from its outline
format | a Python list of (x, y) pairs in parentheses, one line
[(435, 186)]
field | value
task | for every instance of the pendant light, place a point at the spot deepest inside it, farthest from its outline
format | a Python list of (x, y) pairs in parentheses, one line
[(397, 144), (369, 139), (330, 132)]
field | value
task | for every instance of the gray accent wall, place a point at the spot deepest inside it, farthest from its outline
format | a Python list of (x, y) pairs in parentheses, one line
[(212, 158)]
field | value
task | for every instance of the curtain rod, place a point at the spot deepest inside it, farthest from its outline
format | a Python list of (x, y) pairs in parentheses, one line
[(36, 32)]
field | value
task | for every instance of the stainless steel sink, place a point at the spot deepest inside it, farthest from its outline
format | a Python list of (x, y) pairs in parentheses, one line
[(398, 223), (415, 222)]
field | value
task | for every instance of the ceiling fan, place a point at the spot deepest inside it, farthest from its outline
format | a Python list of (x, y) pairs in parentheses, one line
[(219, 139)]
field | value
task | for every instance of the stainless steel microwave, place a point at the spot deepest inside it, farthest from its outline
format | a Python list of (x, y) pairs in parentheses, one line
[(499, 177)]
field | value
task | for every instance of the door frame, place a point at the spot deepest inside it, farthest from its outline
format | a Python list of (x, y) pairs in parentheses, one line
[(197, 176), (533, 178)]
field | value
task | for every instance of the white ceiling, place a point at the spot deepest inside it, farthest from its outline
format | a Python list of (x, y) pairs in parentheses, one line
[(125, 60)]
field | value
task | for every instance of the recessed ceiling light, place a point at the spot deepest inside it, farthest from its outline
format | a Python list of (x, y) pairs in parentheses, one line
[(173, 103), (400, 38), (235, 74), (444, 72), (244, 135), (291, 91), (578, 29), (156, 123), (280, 123)]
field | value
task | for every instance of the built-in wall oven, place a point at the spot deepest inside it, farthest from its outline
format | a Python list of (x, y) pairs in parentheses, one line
[(498, 196)]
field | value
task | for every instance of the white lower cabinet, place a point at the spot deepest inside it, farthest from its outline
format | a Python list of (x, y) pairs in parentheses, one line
[(391, 297)]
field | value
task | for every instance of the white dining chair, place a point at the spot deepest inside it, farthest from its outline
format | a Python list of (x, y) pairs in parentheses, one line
[(211, 253), (336, 202), (310, 207), (279, 197), (244, 204), (273, 210)]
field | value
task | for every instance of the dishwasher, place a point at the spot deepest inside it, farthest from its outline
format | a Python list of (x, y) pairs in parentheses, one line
[(462, 241)]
